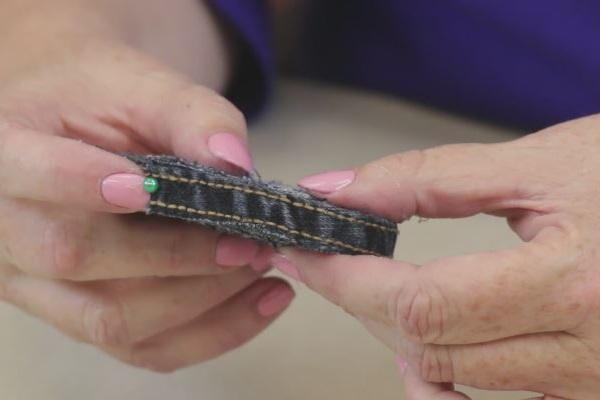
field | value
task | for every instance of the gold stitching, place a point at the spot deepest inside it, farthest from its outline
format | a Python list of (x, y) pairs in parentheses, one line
[(262, 222), (271, 196)]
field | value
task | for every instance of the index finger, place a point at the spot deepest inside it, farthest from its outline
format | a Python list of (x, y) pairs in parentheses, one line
[(64, 171)]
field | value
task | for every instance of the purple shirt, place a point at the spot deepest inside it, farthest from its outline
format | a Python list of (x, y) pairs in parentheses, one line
[(523, 63)]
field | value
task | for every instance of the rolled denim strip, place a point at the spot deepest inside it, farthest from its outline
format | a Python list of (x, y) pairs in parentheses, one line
[(268, 212)]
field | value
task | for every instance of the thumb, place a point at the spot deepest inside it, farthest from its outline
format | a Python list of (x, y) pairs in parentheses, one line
[(443, 182), (195, 123)]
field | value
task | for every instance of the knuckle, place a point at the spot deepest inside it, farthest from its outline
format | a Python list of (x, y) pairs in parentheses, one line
[(64, 253), (419, 311), (226, 111), (216, 109), (390, 181), (103, 323), (410, 163), (435, 364), (425, 164)]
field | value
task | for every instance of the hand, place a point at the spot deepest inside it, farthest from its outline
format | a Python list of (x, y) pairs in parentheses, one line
[(525, 318), (151, 292)]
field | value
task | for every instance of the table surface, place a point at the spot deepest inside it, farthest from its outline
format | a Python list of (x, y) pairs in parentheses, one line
[(314, 351)]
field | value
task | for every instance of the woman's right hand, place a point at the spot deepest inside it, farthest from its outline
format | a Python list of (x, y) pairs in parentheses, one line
[(153, 293)]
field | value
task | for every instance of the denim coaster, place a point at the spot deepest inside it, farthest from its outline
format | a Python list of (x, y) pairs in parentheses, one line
[(268, 212)]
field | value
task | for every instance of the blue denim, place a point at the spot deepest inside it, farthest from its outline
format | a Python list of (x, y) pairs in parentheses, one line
[(268, 212)]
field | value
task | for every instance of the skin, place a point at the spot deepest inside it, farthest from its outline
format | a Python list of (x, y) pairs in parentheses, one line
[(523, 318), (81, 80)]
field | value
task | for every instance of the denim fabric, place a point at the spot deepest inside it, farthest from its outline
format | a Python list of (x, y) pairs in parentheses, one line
[(269, 212)]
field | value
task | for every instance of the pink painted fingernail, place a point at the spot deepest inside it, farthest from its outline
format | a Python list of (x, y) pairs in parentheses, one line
[(125, 190), (327, 182), (262, 261), (275, 300), (285, 266), (232, 149), (402, 365), (235, 251)]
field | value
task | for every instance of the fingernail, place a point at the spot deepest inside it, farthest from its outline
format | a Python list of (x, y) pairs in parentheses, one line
[(262, 260), (235, 251), (327, 182), (275, 300), (402, 365), (285, 266), (232, 149), (125, 190)]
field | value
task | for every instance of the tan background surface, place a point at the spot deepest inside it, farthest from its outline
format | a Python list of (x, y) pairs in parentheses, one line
[(314, 351)]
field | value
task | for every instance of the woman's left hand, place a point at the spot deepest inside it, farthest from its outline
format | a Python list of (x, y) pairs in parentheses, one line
[(526, 318)]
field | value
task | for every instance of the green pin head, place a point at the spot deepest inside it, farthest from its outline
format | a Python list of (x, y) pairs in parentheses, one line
[(150, 184)]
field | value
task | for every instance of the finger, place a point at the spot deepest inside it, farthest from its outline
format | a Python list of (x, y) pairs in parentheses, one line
[(262, 260), (82, 246), (447, 181), (68, 172), (458, 300), (118, 313), (222, 329), (416, 388), (195, 123), (153, 306), (537, 363)]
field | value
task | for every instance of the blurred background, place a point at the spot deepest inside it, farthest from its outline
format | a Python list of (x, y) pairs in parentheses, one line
[(314, 351)]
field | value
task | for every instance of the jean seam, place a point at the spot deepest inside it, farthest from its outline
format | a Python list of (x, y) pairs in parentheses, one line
[(267, 211), (273, 197), (242, 220)]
